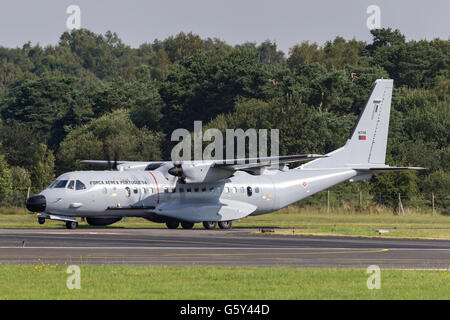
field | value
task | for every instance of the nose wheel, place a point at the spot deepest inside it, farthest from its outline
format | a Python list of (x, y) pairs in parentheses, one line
[(71, 224)]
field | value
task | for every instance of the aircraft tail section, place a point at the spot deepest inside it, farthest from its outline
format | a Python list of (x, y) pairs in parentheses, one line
[(366, 146)]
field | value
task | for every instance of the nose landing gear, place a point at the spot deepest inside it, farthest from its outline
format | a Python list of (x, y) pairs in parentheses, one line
[(71, 224)]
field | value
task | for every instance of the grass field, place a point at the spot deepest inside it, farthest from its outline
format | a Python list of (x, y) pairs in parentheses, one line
[(228, 283), (302, 220)]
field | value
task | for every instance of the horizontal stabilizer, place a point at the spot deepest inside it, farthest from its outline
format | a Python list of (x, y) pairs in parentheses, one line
[(388, 168)]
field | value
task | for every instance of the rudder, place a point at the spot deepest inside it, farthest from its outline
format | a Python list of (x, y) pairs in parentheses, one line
[(367, 143)]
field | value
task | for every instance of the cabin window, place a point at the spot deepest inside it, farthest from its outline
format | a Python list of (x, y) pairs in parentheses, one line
[(166, 190), (128, 192), (241, 190), (256, 189), (203, 189), (181, 189), (196, 189), (211, 189), (79, 185), (227, 190), (249, 191), (234, 190), (71, 185), (135, 190), (188, 190), (60, 184)]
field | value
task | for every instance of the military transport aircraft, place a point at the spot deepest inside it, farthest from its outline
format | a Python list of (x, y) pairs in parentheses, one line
[(217, 192)]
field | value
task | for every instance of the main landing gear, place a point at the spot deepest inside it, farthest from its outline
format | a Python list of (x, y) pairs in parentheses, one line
[(173, 224), (208, 225)]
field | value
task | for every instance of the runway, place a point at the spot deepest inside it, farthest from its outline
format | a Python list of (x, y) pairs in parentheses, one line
[(237, 247)]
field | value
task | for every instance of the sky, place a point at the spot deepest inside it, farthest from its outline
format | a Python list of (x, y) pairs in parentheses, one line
[(287, 22)]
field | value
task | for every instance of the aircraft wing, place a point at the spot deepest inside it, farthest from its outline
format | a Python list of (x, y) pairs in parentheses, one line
[(126, 165), (250, 163), (207, 211)]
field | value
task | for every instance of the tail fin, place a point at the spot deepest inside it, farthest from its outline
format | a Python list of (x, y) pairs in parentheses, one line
[(366, 145)]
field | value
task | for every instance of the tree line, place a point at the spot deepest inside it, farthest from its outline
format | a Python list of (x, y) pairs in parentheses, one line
[(93, 97)]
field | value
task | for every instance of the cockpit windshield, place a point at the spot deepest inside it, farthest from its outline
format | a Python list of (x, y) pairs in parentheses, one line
[(72, 184), (80, 185), (58, 184)]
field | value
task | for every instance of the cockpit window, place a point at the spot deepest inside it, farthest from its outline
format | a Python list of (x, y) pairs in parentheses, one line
[(80, 185), (71, 185), (60, 184)]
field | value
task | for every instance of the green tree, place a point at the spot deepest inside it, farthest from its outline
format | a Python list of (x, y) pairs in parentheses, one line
[(42, 170), (5, 180), (111, 136), (21, 181)]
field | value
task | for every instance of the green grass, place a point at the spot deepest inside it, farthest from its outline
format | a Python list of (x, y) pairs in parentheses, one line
[(340, 221), (195, 282)]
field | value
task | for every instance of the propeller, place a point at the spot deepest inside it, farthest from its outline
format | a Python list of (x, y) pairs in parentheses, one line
[(111, 165), (176, 170)]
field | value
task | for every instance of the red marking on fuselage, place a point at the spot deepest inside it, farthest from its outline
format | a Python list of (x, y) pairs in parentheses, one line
[(157, 188)]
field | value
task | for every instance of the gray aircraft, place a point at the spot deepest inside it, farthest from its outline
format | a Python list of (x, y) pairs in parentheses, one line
[(217, 192)]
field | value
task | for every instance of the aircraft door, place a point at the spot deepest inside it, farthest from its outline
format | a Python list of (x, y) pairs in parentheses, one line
[(267, 194), (151, 198)]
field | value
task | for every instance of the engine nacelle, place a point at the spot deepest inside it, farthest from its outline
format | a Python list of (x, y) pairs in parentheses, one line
[(200, 172), (102, 221)]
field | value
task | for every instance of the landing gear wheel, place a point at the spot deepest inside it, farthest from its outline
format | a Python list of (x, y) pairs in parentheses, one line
[(172, 224), (187, 225), (225, 224), (71, 224), (209, 225), (41, 220)]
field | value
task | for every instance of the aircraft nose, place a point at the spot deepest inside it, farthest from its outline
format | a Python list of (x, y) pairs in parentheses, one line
[(36, 203)]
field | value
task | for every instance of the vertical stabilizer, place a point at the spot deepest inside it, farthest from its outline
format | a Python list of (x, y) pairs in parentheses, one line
[(367, 143)]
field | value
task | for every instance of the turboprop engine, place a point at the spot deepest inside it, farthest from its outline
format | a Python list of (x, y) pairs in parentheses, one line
[(199, 172)]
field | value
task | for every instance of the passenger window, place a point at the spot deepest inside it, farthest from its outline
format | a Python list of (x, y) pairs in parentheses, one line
[(71, 185), (256, 189), (189, 190), (135, 190), (211, 189), (249, 191), (227, 190), (80, 185), (234, 190), (241, 190), (196, 189), (203, 189), (166, 190), (128, 192), (181, 189)]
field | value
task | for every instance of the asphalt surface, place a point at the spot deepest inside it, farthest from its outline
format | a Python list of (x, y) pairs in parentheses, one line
[(237, 247)]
